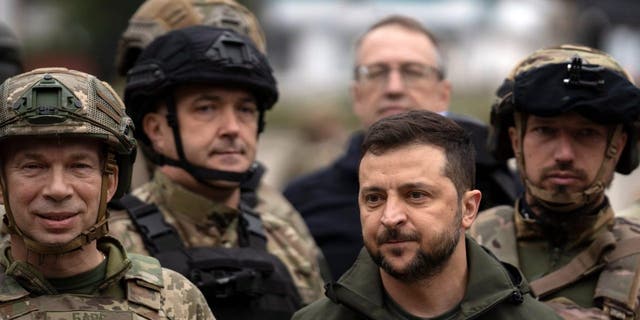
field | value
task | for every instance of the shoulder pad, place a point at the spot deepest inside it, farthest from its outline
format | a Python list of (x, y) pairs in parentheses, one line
[(146, 269)]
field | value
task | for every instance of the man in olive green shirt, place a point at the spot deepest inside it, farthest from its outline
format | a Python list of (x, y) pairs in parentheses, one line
[(416, 202)]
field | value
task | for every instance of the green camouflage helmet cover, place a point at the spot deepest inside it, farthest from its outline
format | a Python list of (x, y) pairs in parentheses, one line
[(156, 17), (62, 102)]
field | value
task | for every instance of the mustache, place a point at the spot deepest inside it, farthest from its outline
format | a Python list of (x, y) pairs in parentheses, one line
[(565, 167), (388, 235), (228, 145)]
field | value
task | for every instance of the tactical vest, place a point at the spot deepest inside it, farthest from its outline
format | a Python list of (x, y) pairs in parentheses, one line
[(615, 254), (246, 282), (143, 292)]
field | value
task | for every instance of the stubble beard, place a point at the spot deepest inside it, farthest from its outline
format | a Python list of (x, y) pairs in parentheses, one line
[(425, 264)]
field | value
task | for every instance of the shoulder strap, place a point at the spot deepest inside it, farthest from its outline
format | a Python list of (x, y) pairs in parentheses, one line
[(156, 233), (583, 264), (250, 229), (618, 287), (145, 282)]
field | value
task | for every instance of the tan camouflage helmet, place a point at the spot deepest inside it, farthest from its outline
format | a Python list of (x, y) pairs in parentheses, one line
[(562, 79), (62, 102), (156, 17)]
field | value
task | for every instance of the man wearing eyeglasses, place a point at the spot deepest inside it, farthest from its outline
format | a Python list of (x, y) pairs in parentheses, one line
[(398, 68)]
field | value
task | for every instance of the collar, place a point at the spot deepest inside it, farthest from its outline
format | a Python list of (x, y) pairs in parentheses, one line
[(180, 201), (488, 284), (33, 281), (576, 229)]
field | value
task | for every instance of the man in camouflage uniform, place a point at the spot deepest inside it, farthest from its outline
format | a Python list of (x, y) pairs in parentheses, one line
[(570, 115), (156, 17), (198, 97), (67, 149)]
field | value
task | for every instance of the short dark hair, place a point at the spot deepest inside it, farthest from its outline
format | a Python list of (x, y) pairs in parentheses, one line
[(409, 24), (429, 128)]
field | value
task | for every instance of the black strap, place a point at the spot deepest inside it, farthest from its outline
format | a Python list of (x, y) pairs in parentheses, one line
[(250, 229), (156, 233), (159, 236)]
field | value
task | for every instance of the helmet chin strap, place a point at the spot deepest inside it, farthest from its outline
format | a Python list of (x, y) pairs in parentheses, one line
[(575, 200), (201, 174), (96, 231)]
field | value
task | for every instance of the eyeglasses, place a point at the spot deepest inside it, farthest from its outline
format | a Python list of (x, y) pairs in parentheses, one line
[(413, 74)]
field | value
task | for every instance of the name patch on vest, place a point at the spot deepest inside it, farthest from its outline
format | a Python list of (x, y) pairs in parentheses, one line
[(89, 315)]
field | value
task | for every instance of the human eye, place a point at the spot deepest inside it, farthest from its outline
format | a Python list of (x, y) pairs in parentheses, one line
[(203, 108), (588, 133), (544, 131), (416, 71), (31, 165), (376, 72), (417, 196), (248, 108), (373, 199)]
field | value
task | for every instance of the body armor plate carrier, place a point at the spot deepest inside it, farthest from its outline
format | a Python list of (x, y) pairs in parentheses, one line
[(238, 283)]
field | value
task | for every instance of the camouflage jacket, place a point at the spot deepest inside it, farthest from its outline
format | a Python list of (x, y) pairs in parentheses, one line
[(539, 251), (133, 284), (201, 222)]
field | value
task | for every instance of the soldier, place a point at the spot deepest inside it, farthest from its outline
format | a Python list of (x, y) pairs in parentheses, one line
[(10, 62), (199, 96), (416, 201), (570, 115), (67, 148), (398, 68), (156, 17)]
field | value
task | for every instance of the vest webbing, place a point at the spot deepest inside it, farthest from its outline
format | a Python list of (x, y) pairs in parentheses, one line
[(603, 255), (144, 299), (238, 283)]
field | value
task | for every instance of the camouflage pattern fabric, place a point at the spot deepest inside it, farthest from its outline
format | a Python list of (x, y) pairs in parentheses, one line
[(514, 239), (559, 55), (151, 292), (203, 223)]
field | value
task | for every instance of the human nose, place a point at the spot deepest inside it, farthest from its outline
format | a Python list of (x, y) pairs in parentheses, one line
[(230, 124), (57, 187), (393, 214), (395, 82), (564, 151)]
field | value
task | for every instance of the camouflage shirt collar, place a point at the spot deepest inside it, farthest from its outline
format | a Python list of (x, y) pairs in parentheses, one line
[(569, 233), (178, 200), (33, 280)]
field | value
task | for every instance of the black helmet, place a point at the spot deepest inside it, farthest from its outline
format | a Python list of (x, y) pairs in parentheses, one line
[(571, 78), (196, 55)]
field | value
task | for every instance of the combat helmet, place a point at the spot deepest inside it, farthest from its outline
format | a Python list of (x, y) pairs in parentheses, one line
[(10, 62), (60, 102), (156, 17), (568, 78), (198, 54)]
